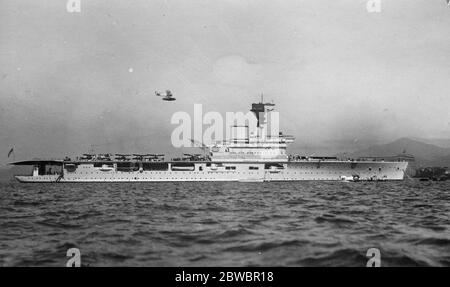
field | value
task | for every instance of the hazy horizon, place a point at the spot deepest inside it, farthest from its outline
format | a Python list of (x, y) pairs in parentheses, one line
[(341, 77)]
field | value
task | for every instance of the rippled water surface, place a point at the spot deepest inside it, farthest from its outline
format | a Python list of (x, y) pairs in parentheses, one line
[(231, 224)]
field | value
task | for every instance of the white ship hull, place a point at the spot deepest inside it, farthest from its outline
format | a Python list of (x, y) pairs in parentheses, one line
[(243, 172)]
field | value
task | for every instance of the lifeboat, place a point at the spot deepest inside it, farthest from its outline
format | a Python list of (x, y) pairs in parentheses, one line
[(183, 168), (106, 168), (274, 169)]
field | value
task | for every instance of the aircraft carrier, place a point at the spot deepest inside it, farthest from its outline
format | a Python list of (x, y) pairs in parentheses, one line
[(253, 157)]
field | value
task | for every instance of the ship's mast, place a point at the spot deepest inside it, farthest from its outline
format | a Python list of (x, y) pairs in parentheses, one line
[(259, 109)]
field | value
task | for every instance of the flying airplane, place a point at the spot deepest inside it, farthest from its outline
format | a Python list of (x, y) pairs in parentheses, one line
[(167, 97)]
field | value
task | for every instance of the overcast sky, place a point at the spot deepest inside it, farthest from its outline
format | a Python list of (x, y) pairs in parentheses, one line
[(340, 76)]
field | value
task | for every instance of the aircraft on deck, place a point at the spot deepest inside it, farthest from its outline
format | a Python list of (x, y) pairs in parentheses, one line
[(87, 156), (105, 156), (155, 157), (192, 157), (123, 157)]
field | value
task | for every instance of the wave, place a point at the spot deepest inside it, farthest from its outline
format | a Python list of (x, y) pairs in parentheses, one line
[(50, 223), (287, 224), (333, 219), (265, 246)]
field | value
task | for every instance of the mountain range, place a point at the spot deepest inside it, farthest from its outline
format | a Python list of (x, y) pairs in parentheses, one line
[(425, 154)]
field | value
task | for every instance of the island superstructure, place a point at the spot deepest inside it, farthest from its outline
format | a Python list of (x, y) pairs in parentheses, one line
[(246, 157)]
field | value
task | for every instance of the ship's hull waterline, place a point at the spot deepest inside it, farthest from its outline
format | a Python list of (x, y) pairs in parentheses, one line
[(243, 172)]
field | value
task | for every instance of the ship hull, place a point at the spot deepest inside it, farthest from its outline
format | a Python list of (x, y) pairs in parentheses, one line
[(241, 172)]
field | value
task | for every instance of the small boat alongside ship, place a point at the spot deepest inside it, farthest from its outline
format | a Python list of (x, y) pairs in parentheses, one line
[(253, 157)]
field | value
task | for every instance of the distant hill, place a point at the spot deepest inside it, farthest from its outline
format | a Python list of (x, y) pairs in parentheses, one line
[(445, 143), (425, 154)]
